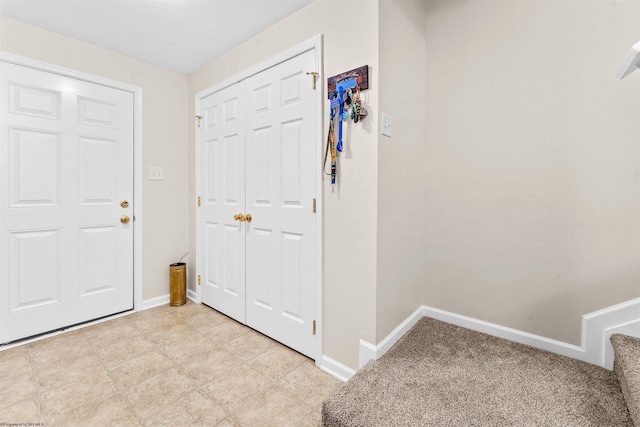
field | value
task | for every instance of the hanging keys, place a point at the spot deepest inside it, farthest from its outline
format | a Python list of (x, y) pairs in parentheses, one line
[(363, 113), (347, 98), (358, 111), (356, 108)]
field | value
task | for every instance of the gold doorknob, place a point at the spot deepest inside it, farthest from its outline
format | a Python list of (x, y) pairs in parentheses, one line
[(240, 217), (124, 204), (125, 219)]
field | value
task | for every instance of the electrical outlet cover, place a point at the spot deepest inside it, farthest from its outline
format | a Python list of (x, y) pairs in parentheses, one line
[(156, 173)]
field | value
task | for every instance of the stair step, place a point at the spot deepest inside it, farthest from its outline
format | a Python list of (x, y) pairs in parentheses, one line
[(627, 368)]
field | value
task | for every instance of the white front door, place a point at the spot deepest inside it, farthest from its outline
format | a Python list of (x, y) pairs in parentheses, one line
[(66, 171), (258, 157)]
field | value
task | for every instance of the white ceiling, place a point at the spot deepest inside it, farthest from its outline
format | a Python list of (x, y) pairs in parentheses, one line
[(178, 34)]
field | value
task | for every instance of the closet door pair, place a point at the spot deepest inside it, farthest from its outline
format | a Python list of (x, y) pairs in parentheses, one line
[(257, 215)]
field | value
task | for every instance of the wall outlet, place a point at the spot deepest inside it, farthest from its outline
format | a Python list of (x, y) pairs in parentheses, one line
[(386, 125), (156, 173)]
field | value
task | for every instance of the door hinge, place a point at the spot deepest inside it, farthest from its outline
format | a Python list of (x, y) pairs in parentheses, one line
[(315, 76), (199, 280), (313, 205), (199, 201), (314, 327), (199, 118)]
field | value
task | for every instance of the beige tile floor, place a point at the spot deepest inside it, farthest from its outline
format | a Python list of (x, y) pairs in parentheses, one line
[(187, 365)]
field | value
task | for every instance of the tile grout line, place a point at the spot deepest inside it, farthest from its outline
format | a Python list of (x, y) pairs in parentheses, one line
[(180, 369), (199, 387), (242, 362), (159, 348), (273, 382), (277, 382), (35, 383), (121, 393)]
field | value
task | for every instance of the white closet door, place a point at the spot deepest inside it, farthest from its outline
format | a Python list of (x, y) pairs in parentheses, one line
[(281, 160), (66, 164), (222, 181), (258, 157)]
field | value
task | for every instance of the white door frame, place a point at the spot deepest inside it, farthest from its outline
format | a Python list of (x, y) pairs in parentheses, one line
[(316, 43), (137, 151)]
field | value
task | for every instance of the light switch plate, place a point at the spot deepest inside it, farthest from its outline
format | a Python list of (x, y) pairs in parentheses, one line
[(156, 173), (386, 125)]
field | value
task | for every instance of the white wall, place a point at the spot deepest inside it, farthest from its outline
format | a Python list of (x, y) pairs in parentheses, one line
[(164, 144), (350, 37), (400, 272), (532, 161)]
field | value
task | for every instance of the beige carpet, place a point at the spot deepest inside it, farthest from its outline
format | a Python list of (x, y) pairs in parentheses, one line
[(627, 369), (443, 375)]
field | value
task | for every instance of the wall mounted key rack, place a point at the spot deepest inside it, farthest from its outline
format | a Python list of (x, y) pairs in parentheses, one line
[(350, 79), (344, 93)]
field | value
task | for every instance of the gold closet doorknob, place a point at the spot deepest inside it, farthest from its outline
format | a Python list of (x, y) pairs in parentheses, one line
[(125, 219), (240, 217)]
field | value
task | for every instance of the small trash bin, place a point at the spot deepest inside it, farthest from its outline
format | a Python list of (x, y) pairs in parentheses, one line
[(178, 283)]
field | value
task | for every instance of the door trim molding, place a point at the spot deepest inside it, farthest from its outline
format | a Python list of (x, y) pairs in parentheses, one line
[(137, 151), (314, 43)]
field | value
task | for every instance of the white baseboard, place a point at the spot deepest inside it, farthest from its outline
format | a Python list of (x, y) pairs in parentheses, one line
[(155, 302), (192, 295), (369, 351), (374, 352), (597, 327), (335, 368), (515, 335), (164, 299)]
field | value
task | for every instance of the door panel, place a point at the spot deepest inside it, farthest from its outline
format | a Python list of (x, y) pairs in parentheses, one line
[(98, 171), (98, 252), (66, 162), (34, 101), (223, 173), (94, 112), (281, 160), (34, 267), (34, 178)]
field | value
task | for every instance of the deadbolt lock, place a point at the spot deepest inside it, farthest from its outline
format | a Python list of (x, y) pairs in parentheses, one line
[(124, 204), (125, 219)]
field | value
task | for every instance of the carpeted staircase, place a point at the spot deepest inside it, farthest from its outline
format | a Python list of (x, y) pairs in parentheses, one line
[(439, 374)]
